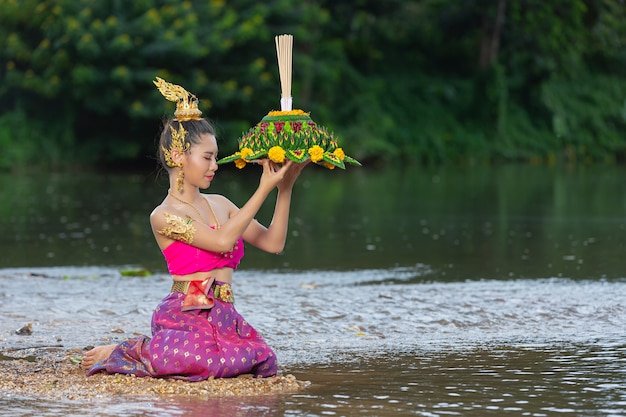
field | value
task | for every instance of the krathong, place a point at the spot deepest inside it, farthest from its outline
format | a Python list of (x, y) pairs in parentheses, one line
[(289, 134)]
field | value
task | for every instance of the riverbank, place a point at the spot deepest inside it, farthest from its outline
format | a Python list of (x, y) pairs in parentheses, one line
[(55, 373)]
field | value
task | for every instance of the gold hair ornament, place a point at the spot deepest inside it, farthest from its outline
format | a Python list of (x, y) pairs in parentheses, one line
[(178, 144), (186, 103), (186, 109)]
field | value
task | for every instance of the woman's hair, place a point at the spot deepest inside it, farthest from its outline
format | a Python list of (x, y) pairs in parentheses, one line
[(195, 128)]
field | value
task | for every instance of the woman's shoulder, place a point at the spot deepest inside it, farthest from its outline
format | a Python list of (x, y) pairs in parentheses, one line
[(161, 208), (218, 199), (157, 216)]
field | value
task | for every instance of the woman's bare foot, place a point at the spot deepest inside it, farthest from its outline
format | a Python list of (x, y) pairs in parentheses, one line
[(96, 355)]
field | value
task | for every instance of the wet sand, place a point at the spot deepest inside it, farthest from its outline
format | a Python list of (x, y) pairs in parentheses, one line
[(55, 373)]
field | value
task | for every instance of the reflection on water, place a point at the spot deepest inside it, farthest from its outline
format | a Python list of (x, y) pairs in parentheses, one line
[(487, 291), (532, 380), (486, 222)]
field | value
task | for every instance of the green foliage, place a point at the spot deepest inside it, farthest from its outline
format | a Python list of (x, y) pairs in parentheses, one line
[(135, 272), (434, 81), (94, 61), (588, 114)]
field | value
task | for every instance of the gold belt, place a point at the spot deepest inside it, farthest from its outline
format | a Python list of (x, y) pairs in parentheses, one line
[(222, 292)]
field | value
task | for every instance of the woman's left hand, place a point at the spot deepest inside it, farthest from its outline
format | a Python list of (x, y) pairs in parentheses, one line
[(292, 175)]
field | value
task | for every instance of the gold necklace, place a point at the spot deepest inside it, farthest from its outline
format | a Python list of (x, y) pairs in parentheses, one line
[(196, 210), (217, 222), (187, 203)]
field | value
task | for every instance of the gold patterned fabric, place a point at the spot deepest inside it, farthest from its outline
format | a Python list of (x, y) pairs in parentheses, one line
[(201, 294), (180, 286)]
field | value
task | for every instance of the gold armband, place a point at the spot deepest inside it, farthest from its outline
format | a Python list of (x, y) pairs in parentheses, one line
[(178, 228)]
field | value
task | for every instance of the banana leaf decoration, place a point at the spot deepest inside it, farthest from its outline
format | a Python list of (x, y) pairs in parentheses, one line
[(295, 133), (289, 134)]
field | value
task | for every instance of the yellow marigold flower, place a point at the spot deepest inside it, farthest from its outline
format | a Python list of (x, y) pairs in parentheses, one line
[(329, 165), (276, 154), (240, 163), (245, 152), (297, 112), (339, 153), (316, 152)]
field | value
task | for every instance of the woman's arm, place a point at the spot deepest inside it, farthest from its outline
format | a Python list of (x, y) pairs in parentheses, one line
[(273, 239), (222, 239)]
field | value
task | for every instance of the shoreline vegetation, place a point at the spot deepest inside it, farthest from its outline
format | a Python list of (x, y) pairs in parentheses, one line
[(53, 372), (414, 81)]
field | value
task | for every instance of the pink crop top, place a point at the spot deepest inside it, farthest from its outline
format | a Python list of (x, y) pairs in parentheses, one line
[(183, 259)]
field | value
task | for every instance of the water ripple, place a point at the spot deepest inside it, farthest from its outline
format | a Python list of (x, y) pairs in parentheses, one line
[(357, 310), (374, 343)]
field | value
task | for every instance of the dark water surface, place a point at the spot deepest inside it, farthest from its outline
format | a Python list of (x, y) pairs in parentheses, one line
[(487, 291)]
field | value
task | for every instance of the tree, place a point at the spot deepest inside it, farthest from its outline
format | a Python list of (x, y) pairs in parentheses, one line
[(86, 66)]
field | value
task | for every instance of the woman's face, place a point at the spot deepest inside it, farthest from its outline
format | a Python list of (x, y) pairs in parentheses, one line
[(201, 162)]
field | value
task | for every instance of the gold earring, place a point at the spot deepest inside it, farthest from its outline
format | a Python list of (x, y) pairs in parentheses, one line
[(179, 179)]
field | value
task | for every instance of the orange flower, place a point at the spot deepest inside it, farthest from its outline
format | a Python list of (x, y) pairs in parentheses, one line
[(316, 152), (297, 112), (245, 152), (329, 165), (276, 154)]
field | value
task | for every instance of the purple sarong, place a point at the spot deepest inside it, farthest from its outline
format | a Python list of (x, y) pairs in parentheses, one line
[(193, 345)]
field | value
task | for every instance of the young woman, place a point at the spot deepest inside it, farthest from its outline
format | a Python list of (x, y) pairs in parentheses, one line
[(196, 331)]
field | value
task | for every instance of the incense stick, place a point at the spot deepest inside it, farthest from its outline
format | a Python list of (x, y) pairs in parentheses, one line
[(284, 48)]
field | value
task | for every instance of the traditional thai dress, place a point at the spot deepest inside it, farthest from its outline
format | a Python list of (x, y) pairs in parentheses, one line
[(196, 331)]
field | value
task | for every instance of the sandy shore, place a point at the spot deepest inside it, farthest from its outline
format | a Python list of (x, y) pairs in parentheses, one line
[(55, 372)]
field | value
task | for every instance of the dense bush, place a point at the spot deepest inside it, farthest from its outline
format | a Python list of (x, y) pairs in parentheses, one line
[(436, 81)]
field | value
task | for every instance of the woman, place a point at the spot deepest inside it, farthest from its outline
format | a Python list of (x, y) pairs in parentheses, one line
[(196, 331)]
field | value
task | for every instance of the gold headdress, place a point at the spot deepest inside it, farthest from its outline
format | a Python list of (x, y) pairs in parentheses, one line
[(186, 103), (186, 109)]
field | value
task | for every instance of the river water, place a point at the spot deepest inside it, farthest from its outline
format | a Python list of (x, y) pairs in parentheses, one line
[(485, 291)]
